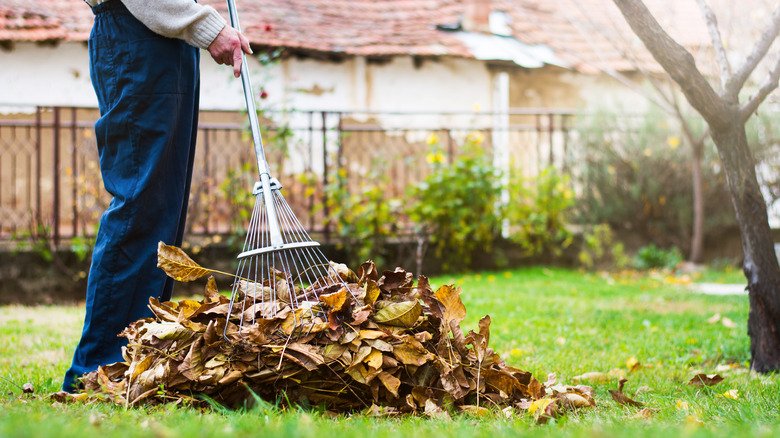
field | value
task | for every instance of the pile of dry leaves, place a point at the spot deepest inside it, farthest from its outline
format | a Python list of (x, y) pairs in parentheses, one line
[(384, 342)]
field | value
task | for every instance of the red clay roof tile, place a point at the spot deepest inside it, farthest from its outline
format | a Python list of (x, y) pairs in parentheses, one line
[(574, 29)]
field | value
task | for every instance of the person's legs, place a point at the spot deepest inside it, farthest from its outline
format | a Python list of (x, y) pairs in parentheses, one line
[(147, 91)]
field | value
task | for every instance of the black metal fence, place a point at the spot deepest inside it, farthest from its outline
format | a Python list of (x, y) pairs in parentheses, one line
[(50, 179)]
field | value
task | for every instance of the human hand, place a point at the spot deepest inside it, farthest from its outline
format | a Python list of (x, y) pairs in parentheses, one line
[(227, 46)]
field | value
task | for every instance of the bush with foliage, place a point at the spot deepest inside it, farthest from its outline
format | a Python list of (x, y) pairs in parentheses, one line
[(364, 221), (636, 177), (600, 249), (457, 205), (539, 211), (652, 257)]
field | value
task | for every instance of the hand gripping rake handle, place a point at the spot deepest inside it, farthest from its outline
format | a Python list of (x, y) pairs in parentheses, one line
[(262, 164)]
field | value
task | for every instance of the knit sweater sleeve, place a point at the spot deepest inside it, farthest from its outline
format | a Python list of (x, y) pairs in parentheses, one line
[(196, 24)]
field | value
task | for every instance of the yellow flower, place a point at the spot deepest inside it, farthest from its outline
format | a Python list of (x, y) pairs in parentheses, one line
[(432, 139), (476, 107), (475, 137), (731, 393), (435, 158), (673, 142)]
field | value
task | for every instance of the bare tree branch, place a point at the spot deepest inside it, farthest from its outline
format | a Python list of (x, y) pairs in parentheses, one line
[(664, 102), (737, 80), (770, 84), (717, 42), (677, 61)]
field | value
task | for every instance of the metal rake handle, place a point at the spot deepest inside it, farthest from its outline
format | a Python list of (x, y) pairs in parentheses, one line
[(262, 164)]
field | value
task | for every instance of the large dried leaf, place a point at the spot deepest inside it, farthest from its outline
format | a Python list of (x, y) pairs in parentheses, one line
[(178, 265), (454, 310), (367, 271), (390, 382), (396, 280), (371, 292), (411, 352), (403, 314), (335, 300)]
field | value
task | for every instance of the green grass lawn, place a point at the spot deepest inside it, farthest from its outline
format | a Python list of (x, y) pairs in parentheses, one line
[(544, 320)]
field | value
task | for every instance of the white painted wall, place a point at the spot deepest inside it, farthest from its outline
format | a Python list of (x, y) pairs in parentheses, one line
[(43, 75), (33, 74)]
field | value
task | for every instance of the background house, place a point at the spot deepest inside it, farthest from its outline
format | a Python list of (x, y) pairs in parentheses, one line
[(390, 73)]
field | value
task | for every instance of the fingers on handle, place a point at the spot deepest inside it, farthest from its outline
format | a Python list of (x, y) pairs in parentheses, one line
[(245, 44), (237, 62)]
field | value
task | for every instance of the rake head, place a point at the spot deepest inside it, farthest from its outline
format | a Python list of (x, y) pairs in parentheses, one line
[(281, 271)]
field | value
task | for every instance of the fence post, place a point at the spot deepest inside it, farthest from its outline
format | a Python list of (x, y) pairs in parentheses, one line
[(207, 178), (37, 169), (73, 172), (308, 166), (56, 176), (325, 208), (551, 131)]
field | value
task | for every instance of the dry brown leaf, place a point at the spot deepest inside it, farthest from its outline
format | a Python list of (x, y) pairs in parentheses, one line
[(335, 300), (702, 380), (371, 292), (454, 310), (403, 314), (178, 265), (623, 399)]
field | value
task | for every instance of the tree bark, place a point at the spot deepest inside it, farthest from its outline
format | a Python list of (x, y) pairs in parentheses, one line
[(726, 122), (760, 265)]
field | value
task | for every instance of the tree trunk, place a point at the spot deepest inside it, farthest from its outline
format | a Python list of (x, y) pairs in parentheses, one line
[(726, 120), (760, 265), (697, 233)]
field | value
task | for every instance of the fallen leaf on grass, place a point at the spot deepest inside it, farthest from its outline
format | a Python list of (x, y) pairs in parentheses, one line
[(702, 380), (645, 413), (728, 323), (28, 388), (714, 318), (731, 393), (623, 399), (633, 364)]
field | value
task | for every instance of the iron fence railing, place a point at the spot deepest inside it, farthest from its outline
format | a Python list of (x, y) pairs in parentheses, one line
[(50, 179)]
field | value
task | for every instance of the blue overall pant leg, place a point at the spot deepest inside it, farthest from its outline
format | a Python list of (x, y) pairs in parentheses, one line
[(147, 88)]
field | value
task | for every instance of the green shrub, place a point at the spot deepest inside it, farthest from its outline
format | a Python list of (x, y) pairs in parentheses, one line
[(600, 250), (651, 257), (636, 176), (364, 221), (538, 212), (457, 205)]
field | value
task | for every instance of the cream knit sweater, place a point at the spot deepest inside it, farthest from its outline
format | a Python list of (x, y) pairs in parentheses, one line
[(184, 19)]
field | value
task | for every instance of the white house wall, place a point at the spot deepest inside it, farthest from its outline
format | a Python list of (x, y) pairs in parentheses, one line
[(35, 74)]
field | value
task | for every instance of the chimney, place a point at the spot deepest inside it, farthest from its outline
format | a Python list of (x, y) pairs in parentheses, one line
[(476, 16)]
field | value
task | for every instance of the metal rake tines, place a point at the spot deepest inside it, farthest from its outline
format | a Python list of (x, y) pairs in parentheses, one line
[(281, 271)]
